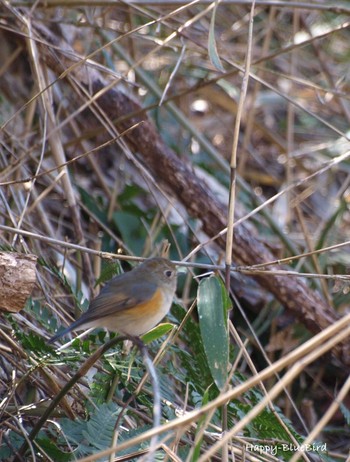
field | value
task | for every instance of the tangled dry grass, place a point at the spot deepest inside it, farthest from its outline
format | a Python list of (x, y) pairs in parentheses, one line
[(124, 125)]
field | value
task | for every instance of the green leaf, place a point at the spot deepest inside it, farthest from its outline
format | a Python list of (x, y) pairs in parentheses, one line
[(129, 194), (132, 230), (108, 271), (200, 423), (52, 450), (194, 366), (346, 413), (93, 435), (328, 227), (100, 428), (10, 444), (157, 332), (93, 204), (212, 49), (212, 309)]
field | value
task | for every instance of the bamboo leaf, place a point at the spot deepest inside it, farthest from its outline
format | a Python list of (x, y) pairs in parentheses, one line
[(212, 309), (212, 48)]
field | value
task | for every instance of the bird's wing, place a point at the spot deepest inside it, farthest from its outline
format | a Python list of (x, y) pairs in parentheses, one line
[(114, 298)]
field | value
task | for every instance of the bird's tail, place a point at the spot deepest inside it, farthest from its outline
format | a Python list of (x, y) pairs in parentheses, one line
[(63, 332)]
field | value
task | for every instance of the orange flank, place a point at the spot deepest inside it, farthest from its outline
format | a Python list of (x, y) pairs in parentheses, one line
[(148, 308)]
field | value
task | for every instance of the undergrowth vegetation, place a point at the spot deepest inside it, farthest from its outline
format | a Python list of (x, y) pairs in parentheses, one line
[(241, 372)]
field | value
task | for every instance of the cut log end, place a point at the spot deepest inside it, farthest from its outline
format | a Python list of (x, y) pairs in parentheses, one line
[(17, 280)]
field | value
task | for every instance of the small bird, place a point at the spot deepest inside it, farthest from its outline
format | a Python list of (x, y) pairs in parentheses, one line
[(131, 303)]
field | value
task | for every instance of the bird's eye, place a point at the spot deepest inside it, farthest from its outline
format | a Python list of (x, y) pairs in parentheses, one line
[(168, 273)]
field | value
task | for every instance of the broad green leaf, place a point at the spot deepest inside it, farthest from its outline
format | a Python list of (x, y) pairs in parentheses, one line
[(212, 309)]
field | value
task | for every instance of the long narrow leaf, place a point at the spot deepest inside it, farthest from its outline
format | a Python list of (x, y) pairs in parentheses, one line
[(212, 310), (212, 48)]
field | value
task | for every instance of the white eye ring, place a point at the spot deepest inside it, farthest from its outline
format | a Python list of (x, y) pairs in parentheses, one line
[(168, 273)]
